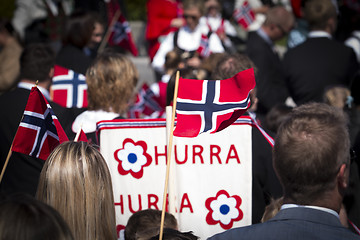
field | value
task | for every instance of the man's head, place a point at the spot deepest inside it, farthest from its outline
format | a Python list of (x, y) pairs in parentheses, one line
[(311, 154), (321, 15), (278, 23), (230, 65), (193, 10), (37, 62)]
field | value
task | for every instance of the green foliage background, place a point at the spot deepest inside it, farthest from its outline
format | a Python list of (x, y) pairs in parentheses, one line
[(136, 10), (7, 8)]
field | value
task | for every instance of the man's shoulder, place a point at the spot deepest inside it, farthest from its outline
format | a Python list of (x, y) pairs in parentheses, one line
[(299, 223), (248, 232)]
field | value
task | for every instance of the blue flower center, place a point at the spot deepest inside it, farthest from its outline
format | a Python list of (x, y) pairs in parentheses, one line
[(132, 157), (224, 209)]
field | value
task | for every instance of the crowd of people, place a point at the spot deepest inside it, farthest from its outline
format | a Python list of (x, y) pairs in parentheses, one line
[(305, 55)]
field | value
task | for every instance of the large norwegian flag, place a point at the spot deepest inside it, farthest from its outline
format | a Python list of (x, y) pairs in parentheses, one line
[(204, 49), (244, 15), (68, 89), (121, 32), (39, 131), (212, 105)]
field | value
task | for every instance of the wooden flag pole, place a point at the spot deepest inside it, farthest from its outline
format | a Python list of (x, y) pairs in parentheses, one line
[(169, 156), (108, 32), (78, 134), (6, 163)]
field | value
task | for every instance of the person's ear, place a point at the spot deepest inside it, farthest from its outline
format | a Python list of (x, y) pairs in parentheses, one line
[(343, 176), (51, 73)]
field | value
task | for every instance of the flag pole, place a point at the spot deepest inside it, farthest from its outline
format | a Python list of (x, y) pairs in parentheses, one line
[(6, 163), (169, 156), (108, 31), (78, 134)]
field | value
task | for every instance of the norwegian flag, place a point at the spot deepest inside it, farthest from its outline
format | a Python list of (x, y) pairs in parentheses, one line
[(146, 103), (121, 32), (39, 131), (212, 105), (81, 137), (68, 89), (204, 50), (244, 15)]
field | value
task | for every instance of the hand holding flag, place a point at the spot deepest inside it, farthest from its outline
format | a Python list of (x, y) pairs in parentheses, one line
[(212, 105)]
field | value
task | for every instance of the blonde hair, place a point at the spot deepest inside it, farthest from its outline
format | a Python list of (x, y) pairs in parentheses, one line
[(76, 181), (111, 81)]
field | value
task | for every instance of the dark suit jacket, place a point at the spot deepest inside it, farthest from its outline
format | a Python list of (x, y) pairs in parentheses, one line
[(270, 80), (316, 64), (265, 184), (22, 172), (294, 224)]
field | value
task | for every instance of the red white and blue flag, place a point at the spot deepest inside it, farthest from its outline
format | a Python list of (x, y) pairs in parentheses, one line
[(204, 49), (212, 105), (39, 131), (68, 89), (244, 15), (121, 32), (146, 103)]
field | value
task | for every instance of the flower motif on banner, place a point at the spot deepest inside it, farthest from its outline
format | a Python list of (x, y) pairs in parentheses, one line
[(132, 158), (223, 209)]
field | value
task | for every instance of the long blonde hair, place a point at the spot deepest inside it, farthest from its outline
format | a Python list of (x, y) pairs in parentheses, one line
[(76, 181)]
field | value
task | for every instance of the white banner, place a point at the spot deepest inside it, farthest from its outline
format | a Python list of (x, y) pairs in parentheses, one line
[(211, 177)]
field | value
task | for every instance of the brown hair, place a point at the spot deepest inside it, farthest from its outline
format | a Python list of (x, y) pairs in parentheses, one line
[(279, 16), (199, 4), (318, 12), (310, 146), (111, 80), (76, 181), (231, 64), (272, 209), (147, 223), (24, 218), (78, 29)]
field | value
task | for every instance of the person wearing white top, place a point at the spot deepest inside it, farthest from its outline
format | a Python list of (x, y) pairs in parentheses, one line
[(188, 37)]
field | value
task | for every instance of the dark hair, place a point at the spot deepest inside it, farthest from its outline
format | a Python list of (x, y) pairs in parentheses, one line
[(6, 25), (231, 64), (355, 88), (172, 234), (276, 116), (318, 12), (145, 220), (36, 62), (24, 218), (187, 72), (78, 28)]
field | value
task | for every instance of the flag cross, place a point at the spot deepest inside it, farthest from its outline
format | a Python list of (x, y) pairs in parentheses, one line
[(44, 126), (120, 31), (74, 81), (244, 12), (211, 107)]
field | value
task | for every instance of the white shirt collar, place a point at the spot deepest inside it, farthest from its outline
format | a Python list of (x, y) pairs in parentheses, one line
[(328, 210), (28, 86), (88, 119), (264, 36), (317, 34)]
